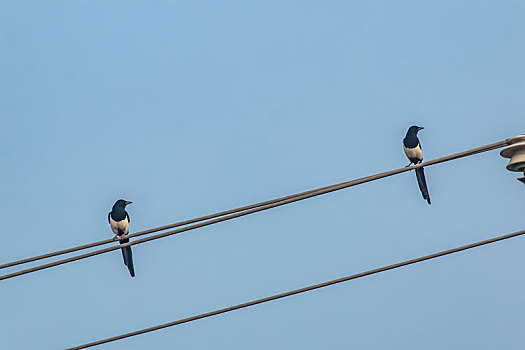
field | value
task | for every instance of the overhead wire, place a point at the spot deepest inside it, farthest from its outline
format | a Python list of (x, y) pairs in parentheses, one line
[(298, 291), (145, 232), (235, 213)]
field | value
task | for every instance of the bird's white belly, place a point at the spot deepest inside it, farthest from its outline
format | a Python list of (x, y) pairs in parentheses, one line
[(412, 153), (119, 226)]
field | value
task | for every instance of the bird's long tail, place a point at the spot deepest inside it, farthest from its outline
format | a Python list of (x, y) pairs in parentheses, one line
[(420, 174), (128, 257)]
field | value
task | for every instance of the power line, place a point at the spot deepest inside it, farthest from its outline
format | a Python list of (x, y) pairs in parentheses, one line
[(145, 232), (259, 207), (297, 291)]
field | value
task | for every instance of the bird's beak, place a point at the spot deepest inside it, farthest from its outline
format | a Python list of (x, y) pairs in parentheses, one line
[(128, 202), (420, 128)]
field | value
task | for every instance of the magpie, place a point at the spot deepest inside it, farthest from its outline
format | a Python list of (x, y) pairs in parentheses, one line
[(412, 149), (119, 221)]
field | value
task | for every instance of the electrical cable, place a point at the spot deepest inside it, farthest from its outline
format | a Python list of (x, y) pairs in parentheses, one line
[(141, 233), (254, 208), (297, 291)]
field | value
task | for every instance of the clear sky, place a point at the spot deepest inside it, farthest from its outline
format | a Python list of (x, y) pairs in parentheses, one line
[(192, 107)]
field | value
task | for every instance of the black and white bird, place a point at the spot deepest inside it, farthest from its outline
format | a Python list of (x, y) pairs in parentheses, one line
[(119, 220), (412, 148)]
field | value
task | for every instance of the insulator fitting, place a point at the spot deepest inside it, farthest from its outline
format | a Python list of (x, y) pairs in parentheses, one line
[(516, 152)]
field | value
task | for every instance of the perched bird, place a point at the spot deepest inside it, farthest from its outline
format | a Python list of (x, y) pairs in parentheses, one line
[(413, 152), (119, 220)]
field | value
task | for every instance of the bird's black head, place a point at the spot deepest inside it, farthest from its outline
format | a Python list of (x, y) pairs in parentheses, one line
[(121, 203), (414, 129)]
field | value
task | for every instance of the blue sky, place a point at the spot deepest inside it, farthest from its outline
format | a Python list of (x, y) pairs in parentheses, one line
[(192, 107)]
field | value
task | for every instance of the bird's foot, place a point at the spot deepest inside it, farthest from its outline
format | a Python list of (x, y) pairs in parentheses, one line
[(116, 238), (408, 165)]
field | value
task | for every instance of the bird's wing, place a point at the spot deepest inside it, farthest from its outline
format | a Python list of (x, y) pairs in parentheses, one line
[(128, 217), (109, 217)]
